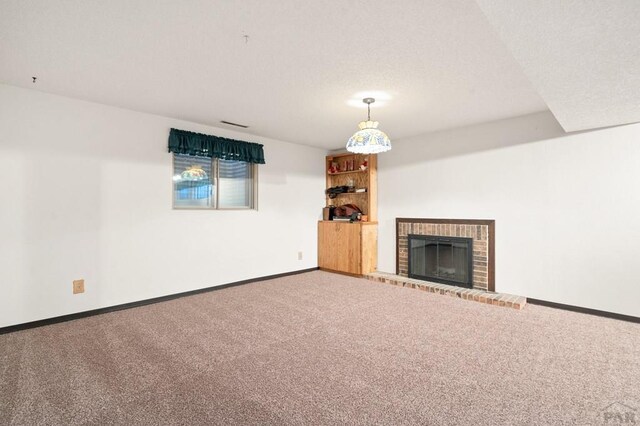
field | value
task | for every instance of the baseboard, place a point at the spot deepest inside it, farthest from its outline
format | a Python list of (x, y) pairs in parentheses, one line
[(581, 310), (333, 271), (70, 317)]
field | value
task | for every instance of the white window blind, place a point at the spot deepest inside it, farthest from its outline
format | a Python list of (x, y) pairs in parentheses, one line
[(202, 182), (236, 184)]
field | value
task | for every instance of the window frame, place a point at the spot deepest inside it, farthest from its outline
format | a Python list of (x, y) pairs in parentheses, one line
[(253, 167)]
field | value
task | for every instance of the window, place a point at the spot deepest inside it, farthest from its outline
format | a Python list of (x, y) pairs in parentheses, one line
[(212, 172), (213, 183)]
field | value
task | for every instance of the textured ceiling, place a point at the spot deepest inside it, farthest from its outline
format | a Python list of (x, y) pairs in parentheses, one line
[(440, 64), (583, 57)]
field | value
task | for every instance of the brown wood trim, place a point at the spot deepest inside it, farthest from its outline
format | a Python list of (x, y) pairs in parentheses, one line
[(582, 310), (491, 266), (100, 311), (333, 271), (397, 246), (491, 224), (454, 221)]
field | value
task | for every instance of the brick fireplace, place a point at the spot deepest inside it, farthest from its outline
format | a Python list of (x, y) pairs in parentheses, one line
[(482, 232)]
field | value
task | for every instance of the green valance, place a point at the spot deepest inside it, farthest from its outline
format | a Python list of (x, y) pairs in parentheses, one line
[(183, 142)]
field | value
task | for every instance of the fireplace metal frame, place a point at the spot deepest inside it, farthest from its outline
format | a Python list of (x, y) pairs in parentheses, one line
[(438, 239)]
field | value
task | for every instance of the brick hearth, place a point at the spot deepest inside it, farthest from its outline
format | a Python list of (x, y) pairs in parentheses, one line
[(481, 231), (497, 299)]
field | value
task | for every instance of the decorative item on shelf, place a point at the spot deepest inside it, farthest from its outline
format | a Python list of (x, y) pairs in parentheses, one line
[(355, 217), (346, 211), (368, 140), (335, 190), (333, 168), (327, 212), (364, 164)]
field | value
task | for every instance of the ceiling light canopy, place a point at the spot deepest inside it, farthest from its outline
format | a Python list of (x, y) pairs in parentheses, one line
[(368, 140)]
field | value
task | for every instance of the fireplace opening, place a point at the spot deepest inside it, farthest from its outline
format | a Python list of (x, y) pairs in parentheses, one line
[(447, 260)]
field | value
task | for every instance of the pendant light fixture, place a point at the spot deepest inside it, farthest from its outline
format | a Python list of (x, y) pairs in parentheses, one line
[(368, 140)]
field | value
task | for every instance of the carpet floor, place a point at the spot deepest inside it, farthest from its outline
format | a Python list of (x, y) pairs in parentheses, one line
[(320, 348)]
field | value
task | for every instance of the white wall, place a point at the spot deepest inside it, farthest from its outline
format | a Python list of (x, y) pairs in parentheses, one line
[(566, 206), (86, 193)]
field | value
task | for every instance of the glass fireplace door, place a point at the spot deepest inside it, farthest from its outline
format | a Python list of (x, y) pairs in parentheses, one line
[(447, 260)]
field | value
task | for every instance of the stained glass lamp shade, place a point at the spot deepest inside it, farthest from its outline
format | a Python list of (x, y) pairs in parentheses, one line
[(369, 140), (194, 173)]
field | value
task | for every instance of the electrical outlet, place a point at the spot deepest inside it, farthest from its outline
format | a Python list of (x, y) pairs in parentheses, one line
[(299, 255), (78, 286)]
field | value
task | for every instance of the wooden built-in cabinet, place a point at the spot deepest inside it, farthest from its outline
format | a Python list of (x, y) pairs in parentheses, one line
[(351, 248)]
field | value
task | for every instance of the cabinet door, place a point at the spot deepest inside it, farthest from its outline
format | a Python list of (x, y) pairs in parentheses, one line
[(369, 248), (339, 246)]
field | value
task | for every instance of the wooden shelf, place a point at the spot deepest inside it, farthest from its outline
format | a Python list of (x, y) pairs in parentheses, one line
[(348, 193), (357, 178), (348, 172), (345, 221)]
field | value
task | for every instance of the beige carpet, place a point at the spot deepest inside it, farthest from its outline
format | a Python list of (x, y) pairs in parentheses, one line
[(320, 348)]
